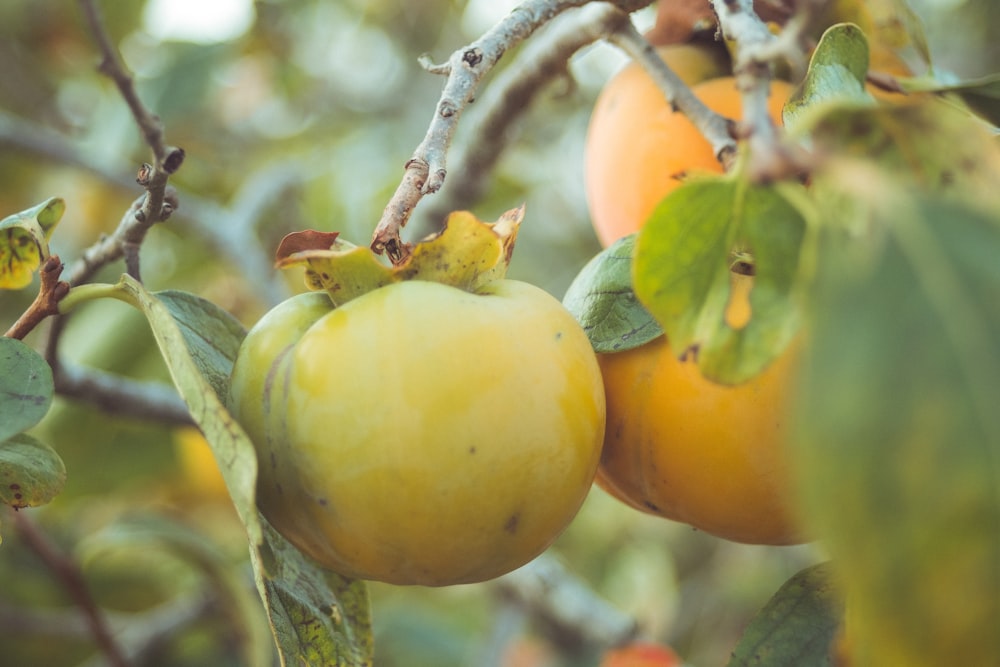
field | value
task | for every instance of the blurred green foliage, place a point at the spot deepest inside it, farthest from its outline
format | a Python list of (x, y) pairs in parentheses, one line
[(318, 105)]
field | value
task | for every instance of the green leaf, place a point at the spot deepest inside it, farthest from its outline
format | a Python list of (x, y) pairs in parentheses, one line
[(682, 273), (796, 627), (319, 617), (26, 387), (603, 302), (837, 72), (24, 241), (199, 354), (982, 94), (31, 472), (213, 336), (897, 442)]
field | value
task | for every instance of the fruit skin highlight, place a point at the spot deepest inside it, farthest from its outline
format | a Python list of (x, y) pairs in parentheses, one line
[(687, 449), (422, 434), (638, 149)]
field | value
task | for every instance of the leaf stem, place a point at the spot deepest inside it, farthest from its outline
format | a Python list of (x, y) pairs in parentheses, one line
[(90, 292)]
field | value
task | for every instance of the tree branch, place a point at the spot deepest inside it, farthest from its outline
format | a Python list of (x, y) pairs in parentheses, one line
[(426, 169), (119, 395), (577, 615), (756, 49), (716, 129), (508, 99)]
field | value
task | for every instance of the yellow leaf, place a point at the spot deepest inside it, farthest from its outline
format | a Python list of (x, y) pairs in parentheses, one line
[(24, 241)]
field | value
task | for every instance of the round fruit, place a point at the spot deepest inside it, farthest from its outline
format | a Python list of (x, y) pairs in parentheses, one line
[(200, 471), (638, 149), (687, 449), (641, 654), (422, 434)]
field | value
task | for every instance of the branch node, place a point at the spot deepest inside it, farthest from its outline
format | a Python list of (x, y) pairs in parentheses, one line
[(424, 60), (173, 160), (46, 303), (145, 175), (472, 57)]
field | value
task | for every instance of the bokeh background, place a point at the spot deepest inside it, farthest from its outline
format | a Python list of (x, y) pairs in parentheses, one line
[(301, 114)]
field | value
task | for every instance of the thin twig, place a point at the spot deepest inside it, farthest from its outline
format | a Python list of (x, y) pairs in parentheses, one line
[(68, 572), (229, 230), (508, 98), (166, 159), (716, 129), (426, 169)]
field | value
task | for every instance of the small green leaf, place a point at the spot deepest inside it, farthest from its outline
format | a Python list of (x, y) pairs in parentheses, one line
[(837, 72), (318, 617), (26, 387), (603, 302), (682, 273), (897, 443), (796, 627), (24, 241), (31, 472)]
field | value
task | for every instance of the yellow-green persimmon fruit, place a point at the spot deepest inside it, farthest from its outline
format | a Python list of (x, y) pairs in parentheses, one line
[(420, 433)]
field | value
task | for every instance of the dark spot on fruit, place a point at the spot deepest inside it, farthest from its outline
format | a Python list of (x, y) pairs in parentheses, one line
[(472, 450), (15, 487), (559, 335), (651, 506), (323, 502), (511, 525), (18, 496)]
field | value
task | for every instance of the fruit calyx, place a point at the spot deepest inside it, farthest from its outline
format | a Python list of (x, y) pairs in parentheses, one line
[(467, 253)]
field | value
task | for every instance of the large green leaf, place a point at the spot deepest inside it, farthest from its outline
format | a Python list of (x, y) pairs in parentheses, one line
[(31, 472), (24, 241), (682, 272), (26, 387), (796, 627), (898, 438), (603, 302), (199, 343)]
